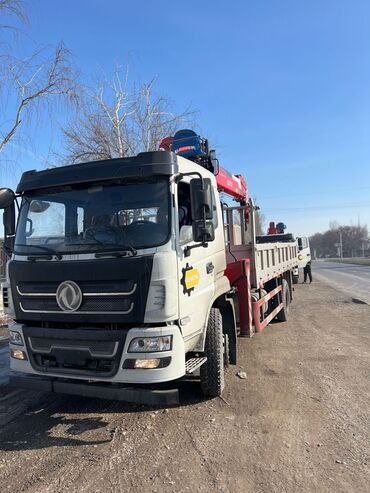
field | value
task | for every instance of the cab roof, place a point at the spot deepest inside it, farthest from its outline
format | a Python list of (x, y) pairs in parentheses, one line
[(144, 164)]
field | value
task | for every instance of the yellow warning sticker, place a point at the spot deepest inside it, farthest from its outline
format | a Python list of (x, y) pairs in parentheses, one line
[(191, 278)]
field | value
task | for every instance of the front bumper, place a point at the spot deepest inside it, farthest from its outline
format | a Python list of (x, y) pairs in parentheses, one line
[(71, 348), (117, 392)]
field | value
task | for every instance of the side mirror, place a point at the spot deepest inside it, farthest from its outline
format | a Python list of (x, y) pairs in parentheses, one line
[(9, 245), (9, 220), (39, 206), (203, 231), (201, 199), (7, 197), (214, 162), (9, 227), (186, 234)]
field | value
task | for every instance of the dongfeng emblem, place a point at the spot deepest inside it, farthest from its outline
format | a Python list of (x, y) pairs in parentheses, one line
[(69, 296)]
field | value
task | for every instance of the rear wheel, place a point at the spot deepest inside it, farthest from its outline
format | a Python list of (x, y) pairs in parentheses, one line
[(283, 314), (212, 376)]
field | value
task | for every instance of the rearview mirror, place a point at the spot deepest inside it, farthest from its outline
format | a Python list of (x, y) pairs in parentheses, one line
[(203, 231), (186, 234), (9, 220), (38, 206), (201, 199), (214, 162), (7, 197)]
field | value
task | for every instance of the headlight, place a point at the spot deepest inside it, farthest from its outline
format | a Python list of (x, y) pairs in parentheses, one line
[(15, 338), (300, 257), (150, 344)]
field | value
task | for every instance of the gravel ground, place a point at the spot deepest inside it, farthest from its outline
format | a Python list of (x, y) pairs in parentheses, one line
[(299, 422)]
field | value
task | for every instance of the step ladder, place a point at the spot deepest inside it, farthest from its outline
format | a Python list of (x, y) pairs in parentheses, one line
[(193, 364)]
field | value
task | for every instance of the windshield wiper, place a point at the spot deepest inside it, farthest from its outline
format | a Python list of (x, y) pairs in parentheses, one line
[(48, 250), (122, 252)]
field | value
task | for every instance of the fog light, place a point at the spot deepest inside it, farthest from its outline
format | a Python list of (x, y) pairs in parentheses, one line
[(300, 257), (15, 338), (147, 363), (18, 354), (150, 344)]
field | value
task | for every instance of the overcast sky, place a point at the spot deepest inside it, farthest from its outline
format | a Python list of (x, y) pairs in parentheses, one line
[(282, 89)]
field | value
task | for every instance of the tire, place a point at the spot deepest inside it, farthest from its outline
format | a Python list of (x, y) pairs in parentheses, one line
[(212, 375), (295, 279), (283, 314)]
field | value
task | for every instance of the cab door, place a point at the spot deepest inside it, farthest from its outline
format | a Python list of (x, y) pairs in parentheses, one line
[(196, 272)]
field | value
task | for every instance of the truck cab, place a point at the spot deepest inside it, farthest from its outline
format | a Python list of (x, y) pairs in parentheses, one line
[(304, 251)]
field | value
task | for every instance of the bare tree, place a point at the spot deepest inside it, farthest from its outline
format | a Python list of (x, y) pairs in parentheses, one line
[(13, 8), (155, 118), (117, 120), (100, 130), (353, 240), (33, 82)]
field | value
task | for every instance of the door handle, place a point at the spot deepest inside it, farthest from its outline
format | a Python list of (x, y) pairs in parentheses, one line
[(210, 267)]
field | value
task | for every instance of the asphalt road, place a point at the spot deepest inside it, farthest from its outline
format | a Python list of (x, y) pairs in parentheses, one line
[(354, 280)]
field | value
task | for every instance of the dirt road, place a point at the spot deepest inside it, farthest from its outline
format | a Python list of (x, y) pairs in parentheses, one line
[(299, 422)]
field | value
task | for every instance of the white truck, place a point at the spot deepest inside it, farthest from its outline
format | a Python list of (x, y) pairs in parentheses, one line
[(304, 256), (123, 274)]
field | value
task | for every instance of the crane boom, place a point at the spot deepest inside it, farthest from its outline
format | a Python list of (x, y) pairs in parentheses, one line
[(233, 185)]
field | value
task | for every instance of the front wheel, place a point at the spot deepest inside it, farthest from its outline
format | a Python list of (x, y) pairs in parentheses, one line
[(212, 372)]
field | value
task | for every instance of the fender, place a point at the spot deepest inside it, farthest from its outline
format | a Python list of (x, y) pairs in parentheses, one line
[(226, 306)]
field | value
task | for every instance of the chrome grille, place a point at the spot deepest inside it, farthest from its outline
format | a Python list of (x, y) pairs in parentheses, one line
[(98, 297)]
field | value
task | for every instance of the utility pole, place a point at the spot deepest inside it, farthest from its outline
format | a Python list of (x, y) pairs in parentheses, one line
[(341, 244)]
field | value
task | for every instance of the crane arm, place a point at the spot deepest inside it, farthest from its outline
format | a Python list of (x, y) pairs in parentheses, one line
[(233, 185)]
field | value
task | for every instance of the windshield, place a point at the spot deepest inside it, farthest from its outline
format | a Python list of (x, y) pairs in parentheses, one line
[(126, 215)]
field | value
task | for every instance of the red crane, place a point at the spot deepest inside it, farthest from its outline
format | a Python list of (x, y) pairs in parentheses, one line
[(233, 185)]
